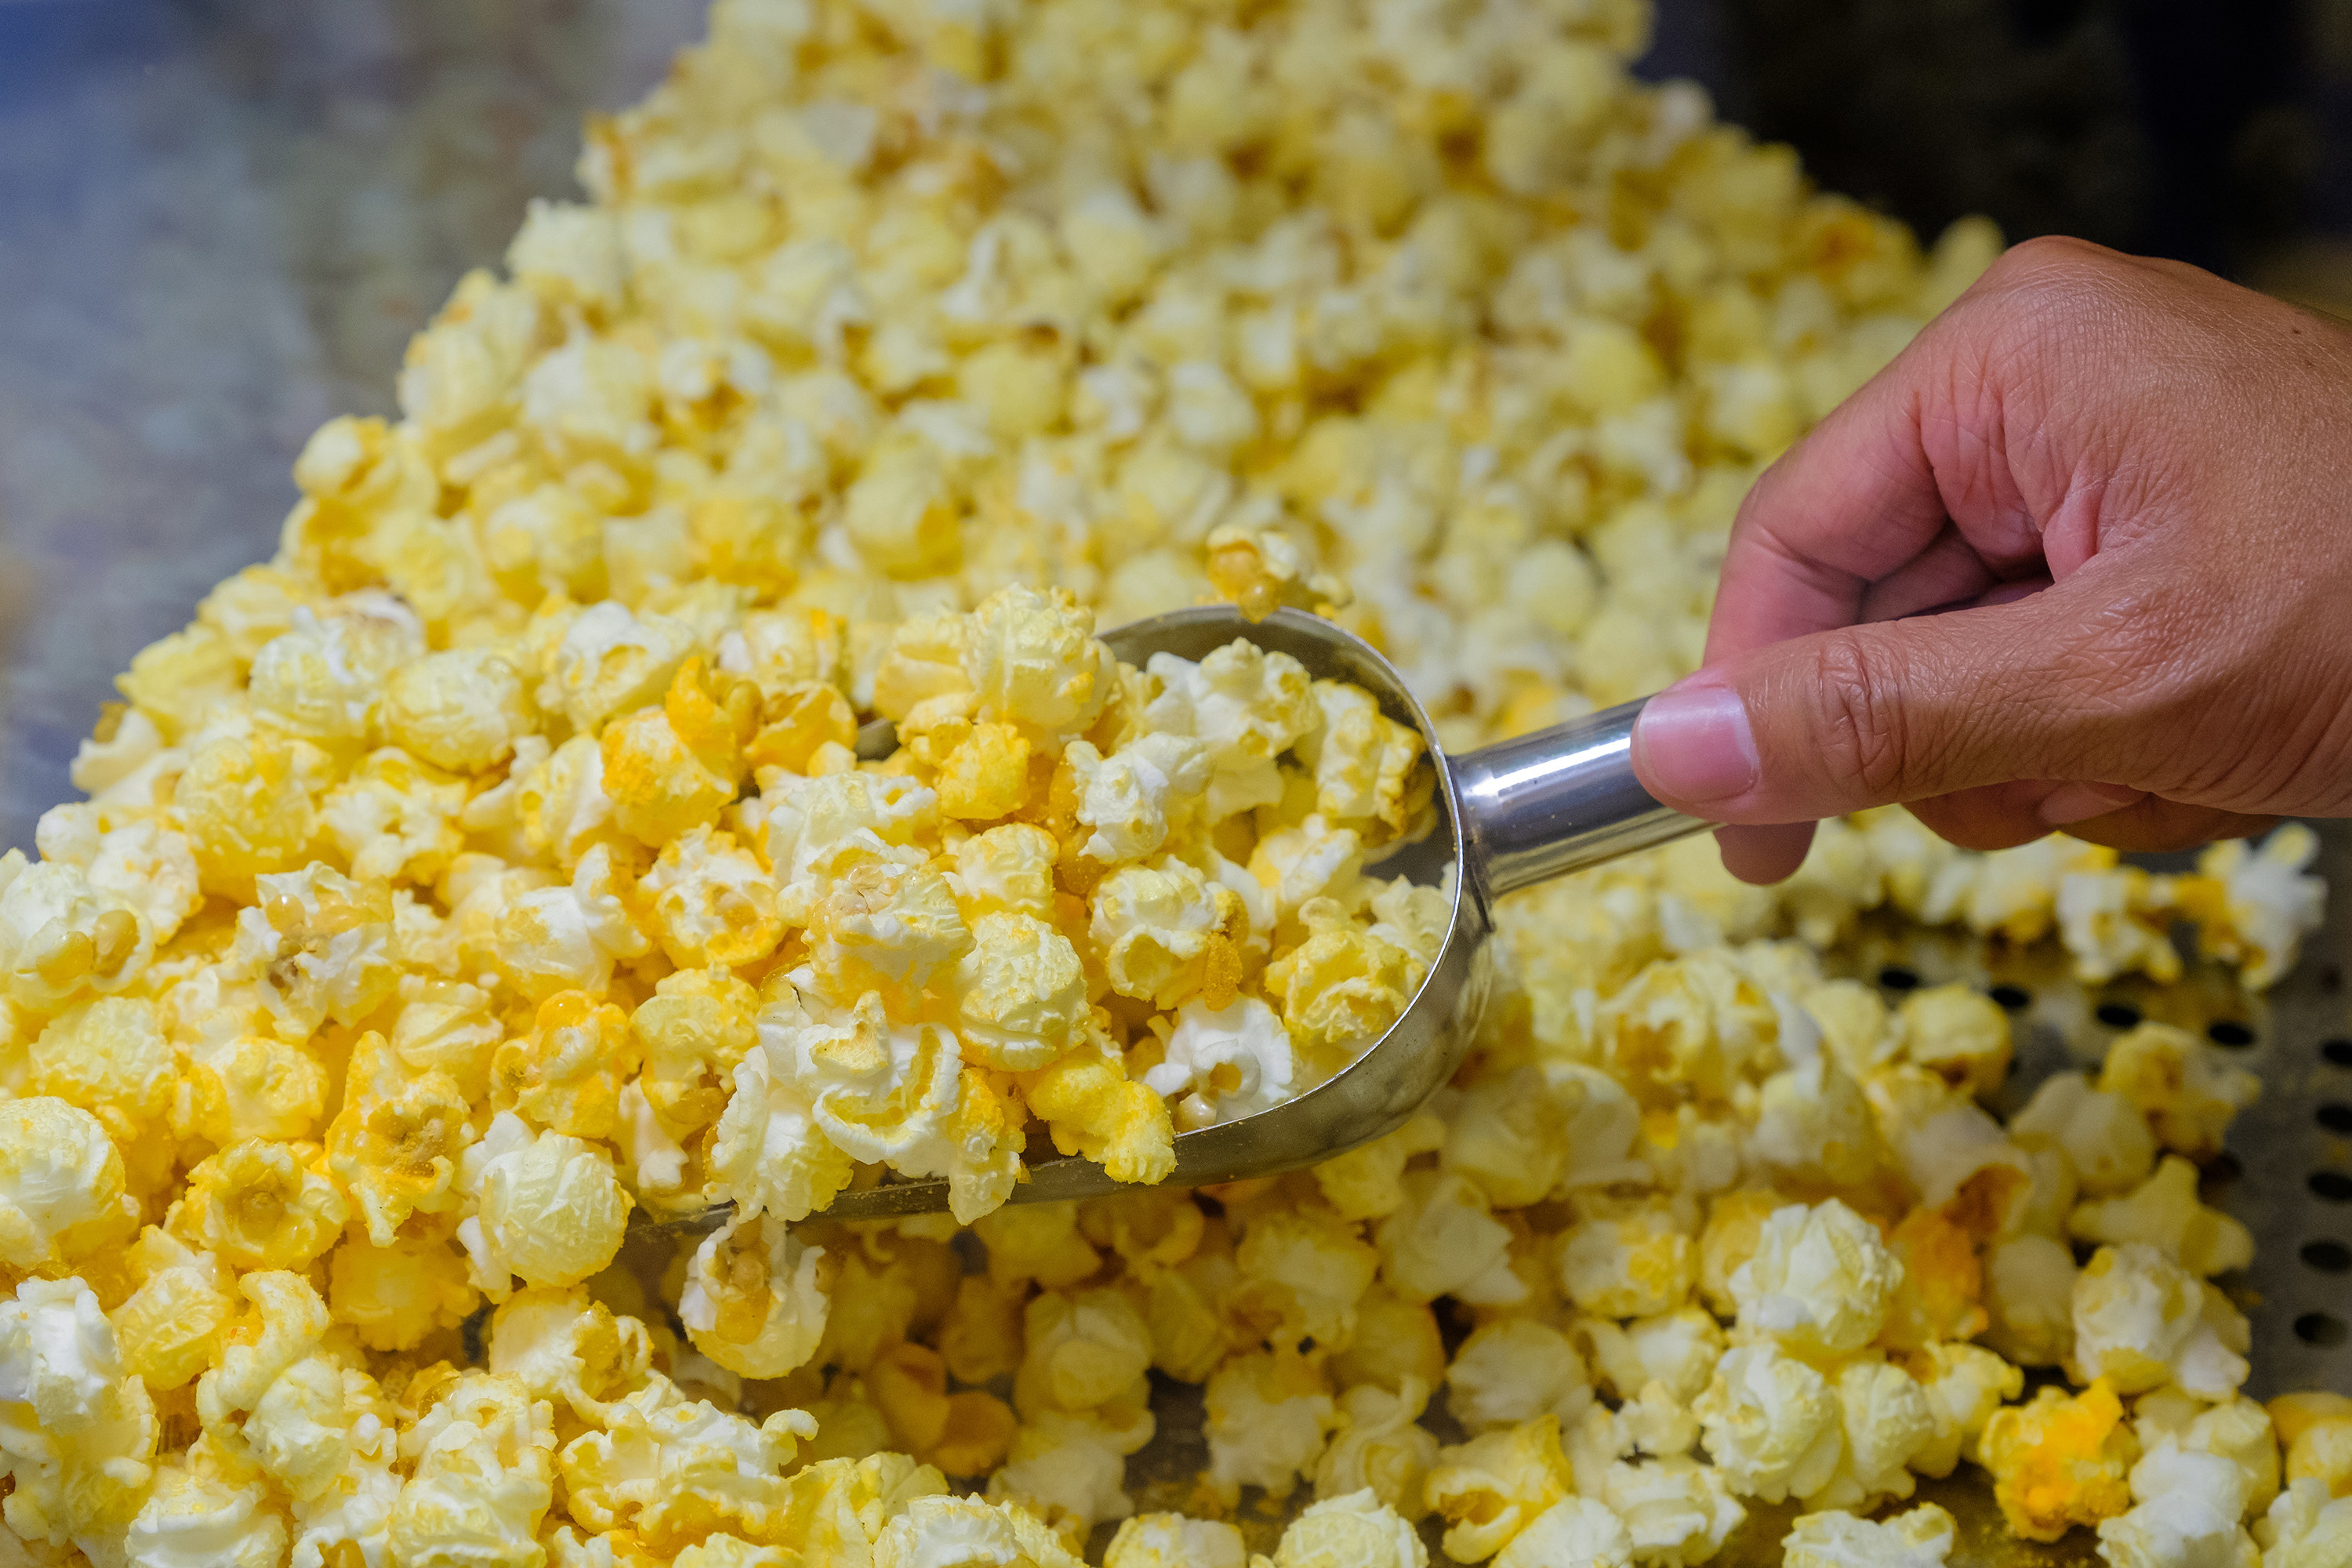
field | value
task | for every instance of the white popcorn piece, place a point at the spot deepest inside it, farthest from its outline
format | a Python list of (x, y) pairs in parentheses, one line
[(1772, 1423), (1231, 1062), (754, 1305), (2141, 1321), (1172, 1540), (1921, 1538), (2266, 904), (1820, 1279)]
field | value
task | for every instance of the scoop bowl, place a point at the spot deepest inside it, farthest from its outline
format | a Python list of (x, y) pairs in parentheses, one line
[(1503, 817)]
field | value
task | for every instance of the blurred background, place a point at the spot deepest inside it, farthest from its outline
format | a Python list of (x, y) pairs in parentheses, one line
[(220, 221)]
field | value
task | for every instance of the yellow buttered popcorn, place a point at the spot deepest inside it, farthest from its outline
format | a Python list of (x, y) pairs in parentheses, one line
[(512, 852)]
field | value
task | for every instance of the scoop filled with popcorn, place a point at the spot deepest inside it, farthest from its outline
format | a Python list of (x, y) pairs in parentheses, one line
[(1167, 931)]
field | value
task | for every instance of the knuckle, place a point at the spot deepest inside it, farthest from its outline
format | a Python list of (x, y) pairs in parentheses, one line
[(1863, 739), (2056, 286)]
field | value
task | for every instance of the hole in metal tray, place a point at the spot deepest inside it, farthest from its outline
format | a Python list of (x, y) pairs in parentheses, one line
[(1894, 977), (2332, 1185), (2327, 1256), (2321, 1329), (2012, 998), (2118, 1014), (2335, 1116), (2230, 1032), (2338, 1051)]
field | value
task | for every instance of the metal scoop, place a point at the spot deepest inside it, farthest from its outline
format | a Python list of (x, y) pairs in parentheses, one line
[(1506, 816)]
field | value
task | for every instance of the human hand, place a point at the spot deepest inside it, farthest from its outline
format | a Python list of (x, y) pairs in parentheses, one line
[(2081, 556)]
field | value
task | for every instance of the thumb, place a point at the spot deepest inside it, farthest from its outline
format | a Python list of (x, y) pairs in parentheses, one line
[(1893, 712)]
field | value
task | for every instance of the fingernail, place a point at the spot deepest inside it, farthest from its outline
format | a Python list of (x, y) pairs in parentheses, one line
[(2081, 801), (1695, 744)]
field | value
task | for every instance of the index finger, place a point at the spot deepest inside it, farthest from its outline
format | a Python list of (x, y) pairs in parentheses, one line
[(1899, 501)]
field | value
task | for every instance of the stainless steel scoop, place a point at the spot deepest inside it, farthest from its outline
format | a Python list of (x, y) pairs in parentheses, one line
[(1508, 814)]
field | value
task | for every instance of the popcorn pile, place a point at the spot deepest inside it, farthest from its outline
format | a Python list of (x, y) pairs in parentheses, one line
[(496, 861)]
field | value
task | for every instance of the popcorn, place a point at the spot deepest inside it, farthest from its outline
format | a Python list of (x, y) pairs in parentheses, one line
[(1677, 1510), (1920, 1539), (1495, 1486), (1172, 1540), (2164, 1212), (1965, 1385), (1246, 705), (1218, 1065), (138, 861), (2187, 1509), (670, 1470), (1083, 1352), (261, 1204), (393, 1297), (1512, 1370), (2106, 1139), (1314, 859), (1162, 932), (420, 924), (567, 937), (2318, 1431), (1269, 1415), (168, 1327), (670, 769), (1070, 1469), (1887, 1418), (1363, 761), (394, 819), (954, 1533), (1772, 1423), (1443, 1240), (2254, 906), (1820, 1281), (2060, 1461), (2141, 1321), (711, 903), (323, 678), (610, 661), (193, 1518), (1685, 1028), (1345, 1531), (882, 931), (1573, 1530), (2119, 922), (108, 1058), (462, 710), (2030, 1292), (2178, 1082), (2237, 1430), (754, 1301), (1341, 988), (1128, 798), (483, 1475), (79, 1439), (60, 940), (874, 1090), (2304, 1529), (1309, 1273), (550, 1209), (396, 1142), (1379, 1448), (1957, 1033), (1627, 1260)]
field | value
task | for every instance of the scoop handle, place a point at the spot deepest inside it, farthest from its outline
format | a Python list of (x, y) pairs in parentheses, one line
[(1541, 805)]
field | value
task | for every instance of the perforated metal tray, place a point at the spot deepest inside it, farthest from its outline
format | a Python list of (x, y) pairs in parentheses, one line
[(2287, 1173)]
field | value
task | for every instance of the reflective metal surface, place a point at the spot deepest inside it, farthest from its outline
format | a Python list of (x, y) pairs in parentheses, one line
[(1541, 805)]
